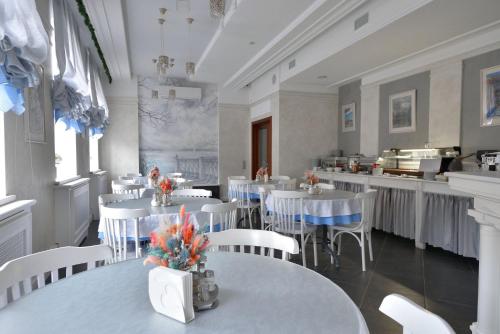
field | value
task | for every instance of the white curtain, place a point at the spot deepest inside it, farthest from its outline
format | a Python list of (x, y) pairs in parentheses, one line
[(23, 44), (99, 110)]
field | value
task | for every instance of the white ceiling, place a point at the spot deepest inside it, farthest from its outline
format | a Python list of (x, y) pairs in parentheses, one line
[(430, 25)]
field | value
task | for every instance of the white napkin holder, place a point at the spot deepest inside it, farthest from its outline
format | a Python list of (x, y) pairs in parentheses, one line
[(171, 293)]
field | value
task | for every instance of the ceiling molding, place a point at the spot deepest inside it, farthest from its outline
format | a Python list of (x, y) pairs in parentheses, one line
[(475, 42), (300, 32), (108, 20)]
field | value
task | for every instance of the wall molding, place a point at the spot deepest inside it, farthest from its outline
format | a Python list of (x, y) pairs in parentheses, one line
[(320, 96)]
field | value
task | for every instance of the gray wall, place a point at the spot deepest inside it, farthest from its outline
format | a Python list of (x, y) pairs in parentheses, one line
[(473, 136), (417, 139), (349, 141)]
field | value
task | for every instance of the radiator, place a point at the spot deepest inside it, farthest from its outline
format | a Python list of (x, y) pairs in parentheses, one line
[(71, 212), (15, 230), (98, 186)]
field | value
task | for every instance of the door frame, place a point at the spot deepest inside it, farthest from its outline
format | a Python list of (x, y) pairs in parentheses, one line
[(255, 143)]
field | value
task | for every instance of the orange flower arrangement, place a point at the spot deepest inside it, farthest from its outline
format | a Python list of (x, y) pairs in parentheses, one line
[(177, 246), (311, 179), (167, 186)]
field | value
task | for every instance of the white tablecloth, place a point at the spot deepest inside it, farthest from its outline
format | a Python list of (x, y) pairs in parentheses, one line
[(256, 295), (335, 207), (157, 214)]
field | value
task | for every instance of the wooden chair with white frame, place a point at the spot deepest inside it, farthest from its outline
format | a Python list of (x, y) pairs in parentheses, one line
[(240, 189), (284, 184), (174, 175), (229, 178), (253, 238), (414, 318), (325, 186), (105, 199), (265, 219), (127, 188), (223, 214), (287, 205), (192, 193), (364, 227), (115, 230), (280, 177), (30, 269)]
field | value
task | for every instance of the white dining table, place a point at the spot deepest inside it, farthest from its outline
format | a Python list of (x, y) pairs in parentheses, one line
[(256, 295), (160, 213)]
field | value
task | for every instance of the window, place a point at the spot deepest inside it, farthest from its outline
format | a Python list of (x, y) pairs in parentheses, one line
[(65, 147), (94, 154)]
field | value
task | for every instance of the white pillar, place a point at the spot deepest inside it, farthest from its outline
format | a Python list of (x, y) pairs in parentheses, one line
[(485, 187), (445, 104), (370, 106)]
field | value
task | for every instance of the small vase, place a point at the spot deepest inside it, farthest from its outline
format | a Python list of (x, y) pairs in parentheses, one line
[(155, 201), (311, 190), (266, 178), (165, 200)]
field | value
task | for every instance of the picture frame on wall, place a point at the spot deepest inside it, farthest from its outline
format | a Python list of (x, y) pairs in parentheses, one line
[(34, 114), (349, 117), (490, 96), (402, 112)]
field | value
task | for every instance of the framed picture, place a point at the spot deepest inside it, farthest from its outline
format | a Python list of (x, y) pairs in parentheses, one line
[(490, 96), (34, 114), (349, 117), (402, 116)]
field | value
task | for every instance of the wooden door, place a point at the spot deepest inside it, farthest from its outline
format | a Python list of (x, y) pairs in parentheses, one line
[(262, 143)]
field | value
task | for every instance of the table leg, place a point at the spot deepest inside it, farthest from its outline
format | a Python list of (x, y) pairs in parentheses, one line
[(325, 245)]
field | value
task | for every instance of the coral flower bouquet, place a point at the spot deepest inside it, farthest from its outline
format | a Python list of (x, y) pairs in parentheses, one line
[(177, 246), (311, 179)]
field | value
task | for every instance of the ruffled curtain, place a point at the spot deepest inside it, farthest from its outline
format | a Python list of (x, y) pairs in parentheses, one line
[(23, 45), (98, 112)]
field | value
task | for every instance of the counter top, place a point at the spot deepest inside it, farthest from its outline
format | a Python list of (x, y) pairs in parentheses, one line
[(481, 175), (381, 176)]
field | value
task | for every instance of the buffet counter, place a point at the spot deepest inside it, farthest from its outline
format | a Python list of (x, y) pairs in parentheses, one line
[(430, 212)]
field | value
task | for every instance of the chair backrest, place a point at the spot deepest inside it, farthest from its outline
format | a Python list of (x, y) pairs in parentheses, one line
[(115, 229), (254, 238), (223, 214), (134, 174), (287, 184), (23, 271), (240, 189), (287, 209), (183, 183), (125, 178), (105, 199), (264, 190), (325, 186), (367, 208), (191, 193), (414, 318), (229, 178), (141, 180), (174, 175), (280, 177), (123, 188)]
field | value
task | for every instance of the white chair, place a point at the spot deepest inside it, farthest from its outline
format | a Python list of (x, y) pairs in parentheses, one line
[(191, 193), (279, 177), (364, 228), (115, 230), (105, 199), (254, 238), (265, 219), (224, 214), (229, 178), (126, 178), (325, 186), (132, 175), (174, 175), (290, 184), (240, 189), (414, 318), (183, 183), (22, 271), (124, 188), (287, 205)]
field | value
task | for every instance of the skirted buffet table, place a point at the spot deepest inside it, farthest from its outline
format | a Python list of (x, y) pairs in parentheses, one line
[(430, 212)]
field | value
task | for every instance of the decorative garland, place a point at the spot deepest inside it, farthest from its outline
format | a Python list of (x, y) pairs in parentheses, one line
[(88, 23)]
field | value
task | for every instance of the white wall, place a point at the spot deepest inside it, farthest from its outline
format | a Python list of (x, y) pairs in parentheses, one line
[(233, 144), (307, 130)]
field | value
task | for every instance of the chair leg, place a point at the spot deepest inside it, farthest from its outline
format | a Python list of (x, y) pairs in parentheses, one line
[(250, 211), (339, 244), (303, 250), (363, 260), (315, 249), (369, 237), (332, 235)]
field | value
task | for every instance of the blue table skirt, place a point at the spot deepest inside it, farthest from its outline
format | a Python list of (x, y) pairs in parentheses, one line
[(336, 220)]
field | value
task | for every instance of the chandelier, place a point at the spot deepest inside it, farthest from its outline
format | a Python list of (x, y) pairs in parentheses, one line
[(189, 64), (164, 62), (217, 8)]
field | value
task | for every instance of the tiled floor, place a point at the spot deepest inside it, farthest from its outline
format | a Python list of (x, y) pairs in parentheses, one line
[(442, 282)]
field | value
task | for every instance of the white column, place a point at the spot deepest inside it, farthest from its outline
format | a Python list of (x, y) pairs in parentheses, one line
[(485, 187), (370, 106), (445, 104)]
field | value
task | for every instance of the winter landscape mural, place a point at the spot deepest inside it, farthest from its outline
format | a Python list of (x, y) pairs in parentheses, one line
[(179, 135)]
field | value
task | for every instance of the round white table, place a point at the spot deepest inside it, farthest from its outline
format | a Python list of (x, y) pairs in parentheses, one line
[(146, 226), (257, 295), (331, 207)]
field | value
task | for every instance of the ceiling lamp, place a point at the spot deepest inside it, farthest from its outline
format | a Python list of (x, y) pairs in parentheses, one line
[(189, 64), (163, 63), (217, 8)]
